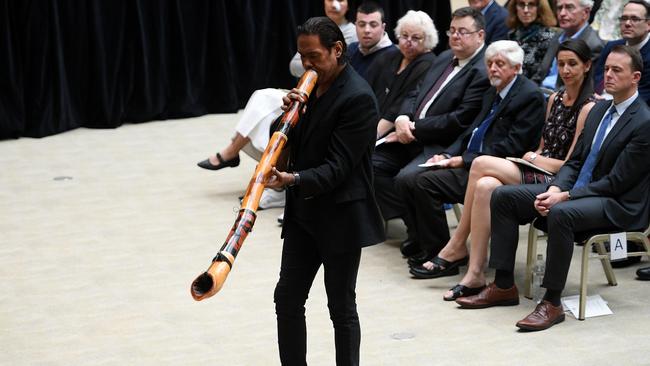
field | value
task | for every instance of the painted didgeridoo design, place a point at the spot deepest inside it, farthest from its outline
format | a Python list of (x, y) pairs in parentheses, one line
[(210, 282)]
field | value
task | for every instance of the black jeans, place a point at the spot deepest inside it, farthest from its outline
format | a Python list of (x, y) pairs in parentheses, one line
[(301, 259)]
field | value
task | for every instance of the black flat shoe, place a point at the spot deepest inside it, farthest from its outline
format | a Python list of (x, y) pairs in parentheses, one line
[(206, 164), (441, 268), (463, 291)]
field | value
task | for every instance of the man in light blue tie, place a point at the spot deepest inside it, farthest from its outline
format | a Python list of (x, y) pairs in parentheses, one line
[(604, 186)]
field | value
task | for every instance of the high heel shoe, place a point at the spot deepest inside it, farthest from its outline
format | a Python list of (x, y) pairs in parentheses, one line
[(206, 164)]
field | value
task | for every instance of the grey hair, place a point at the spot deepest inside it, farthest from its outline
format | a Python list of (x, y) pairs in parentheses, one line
[(508, 49), (586, 3), (422, 20)]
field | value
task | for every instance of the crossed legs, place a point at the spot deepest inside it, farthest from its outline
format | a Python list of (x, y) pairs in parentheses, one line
[(487, 173)]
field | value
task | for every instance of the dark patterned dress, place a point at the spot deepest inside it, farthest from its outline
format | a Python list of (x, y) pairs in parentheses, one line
[(557, 133), (534, 40)]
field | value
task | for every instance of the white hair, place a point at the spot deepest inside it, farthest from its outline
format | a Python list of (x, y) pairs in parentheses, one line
[(422, 20), (586, 3), (508, 49)]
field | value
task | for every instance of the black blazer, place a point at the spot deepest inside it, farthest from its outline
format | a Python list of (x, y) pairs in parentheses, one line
[(391, 88), (622, 172), (516, 129), (589, 35), (331, 148), (456, 106)]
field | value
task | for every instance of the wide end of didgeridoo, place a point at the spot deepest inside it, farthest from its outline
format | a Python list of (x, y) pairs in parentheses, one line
[(210, 282)]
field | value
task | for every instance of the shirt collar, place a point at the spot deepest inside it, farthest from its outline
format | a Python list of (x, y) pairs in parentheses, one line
[(575, 36), (622, 106), (465, 61), (640, 45), (485, 9), (505, 90), (383, 43)]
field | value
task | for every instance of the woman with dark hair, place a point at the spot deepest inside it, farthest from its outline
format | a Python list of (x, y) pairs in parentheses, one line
[(565, 117), (530, 22)]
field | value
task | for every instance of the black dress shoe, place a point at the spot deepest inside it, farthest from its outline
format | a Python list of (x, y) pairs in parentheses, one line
[(206, 164), (419, 259), (622, 263), (409, 248), (441, 268), (643, 274)]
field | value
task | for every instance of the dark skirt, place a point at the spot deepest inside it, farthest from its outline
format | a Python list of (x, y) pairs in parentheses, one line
[(533, 176)]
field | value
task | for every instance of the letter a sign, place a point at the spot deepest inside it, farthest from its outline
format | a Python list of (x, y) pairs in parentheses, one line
[(618, 246)]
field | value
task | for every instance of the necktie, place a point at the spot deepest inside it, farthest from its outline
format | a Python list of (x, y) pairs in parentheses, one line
[(476, 141), (584, 177), (434, 89)]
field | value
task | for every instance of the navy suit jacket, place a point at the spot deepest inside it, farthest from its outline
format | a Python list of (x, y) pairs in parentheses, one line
[(516, 128), (495, 23), (622, 172), (456, 106), (331, 148), (644, 84)]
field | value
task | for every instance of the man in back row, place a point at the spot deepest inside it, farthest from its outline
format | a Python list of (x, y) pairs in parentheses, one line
[(635, 29), (373, 41)]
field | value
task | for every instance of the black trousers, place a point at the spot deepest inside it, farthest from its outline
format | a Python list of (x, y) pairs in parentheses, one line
[(424, 196), (301, 259), (513, 205), (392, 163)]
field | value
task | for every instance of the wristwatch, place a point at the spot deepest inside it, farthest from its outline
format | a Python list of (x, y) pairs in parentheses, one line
[(296, 179), (532, 157)]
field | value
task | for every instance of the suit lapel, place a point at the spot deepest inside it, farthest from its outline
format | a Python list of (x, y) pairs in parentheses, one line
[(433, 76), (618, 127), (325, 102), (464, 70)]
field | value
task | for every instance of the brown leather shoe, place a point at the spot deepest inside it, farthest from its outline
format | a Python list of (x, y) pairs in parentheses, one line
[(490, 296), (544, 316)]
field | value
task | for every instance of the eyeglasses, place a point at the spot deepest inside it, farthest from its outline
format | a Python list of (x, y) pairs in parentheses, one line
[(460, 33), (415, 38), (634, 20), (523, 6)]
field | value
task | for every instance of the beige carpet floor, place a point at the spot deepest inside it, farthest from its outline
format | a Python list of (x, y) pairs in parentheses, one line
[(102, 231)]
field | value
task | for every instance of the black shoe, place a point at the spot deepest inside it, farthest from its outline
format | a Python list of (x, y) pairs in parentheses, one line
[(419, 259), (622, 263), (441, 268), (206, 164), (643, 274), (409, 248)]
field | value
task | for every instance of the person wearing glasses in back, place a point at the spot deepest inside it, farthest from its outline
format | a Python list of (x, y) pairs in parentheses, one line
[(495, 19), (530, 23), (635, 29), (432, 116), (573, 18)]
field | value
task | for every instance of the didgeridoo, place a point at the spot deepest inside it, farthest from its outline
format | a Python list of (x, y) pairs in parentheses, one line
[(210, 282)]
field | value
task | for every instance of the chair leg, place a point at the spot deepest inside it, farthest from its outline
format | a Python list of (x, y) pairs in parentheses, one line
[(530, 261), (583, 279), (457, 211), (607, 265)]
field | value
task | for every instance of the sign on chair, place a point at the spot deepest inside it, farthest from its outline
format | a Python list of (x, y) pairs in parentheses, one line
[(618, 246)]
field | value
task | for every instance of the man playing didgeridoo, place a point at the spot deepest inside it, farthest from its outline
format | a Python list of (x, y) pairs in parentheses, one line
[(331, 212)]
